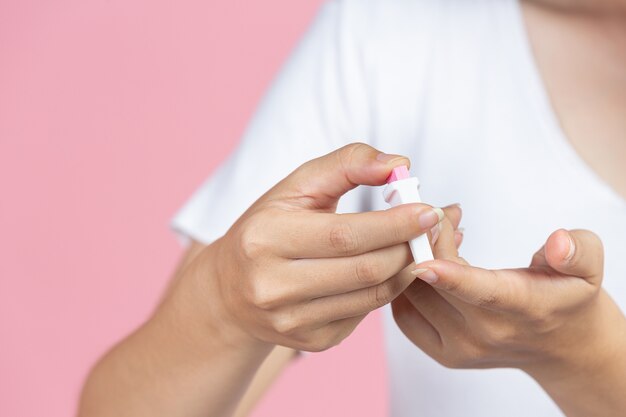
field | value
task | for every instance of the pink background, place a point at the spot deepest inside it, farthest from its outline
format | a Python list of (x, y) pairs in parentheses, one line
[(111, 113)]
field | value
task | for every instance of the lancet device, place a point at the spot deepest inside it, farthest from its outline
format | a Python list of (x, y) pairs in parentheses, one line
[(401, 188)]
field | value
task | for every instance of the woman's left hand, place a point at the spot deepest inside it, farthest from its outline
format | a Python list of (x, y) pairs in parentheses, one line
[(552, 319)]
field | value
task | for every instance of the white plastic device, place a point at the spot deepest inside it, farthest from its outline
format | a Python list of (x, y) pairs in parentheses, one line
[(403, 189)]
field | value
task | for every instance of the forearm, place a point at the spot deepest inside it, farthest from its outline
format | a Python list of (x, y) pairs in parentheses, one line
[(593, 382), (264, 378), (176, 364)]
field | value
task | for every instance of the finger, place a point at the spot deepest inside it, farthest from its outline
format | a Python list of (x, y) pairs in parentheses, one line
[(445, 246), (323, 180), (458, 237), (453, 213), (320, 338), (314, 278), (356, 303), (415, 326), (323, 235), (576, 253), (496, 290), (440, 313)]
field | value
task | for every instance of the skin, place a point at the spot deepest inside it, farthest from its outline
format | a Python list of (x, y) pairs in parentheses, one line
[(551, 320), (289, 272), (232, 302), (581, 58)]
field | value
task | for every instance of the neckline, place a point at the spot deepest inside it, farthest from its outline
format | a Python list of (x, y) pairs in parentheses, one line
[(541, 105)]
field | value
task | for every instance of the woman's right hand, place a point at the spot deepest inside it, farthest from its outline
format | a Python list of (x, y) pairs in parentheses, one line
[(292, 272)]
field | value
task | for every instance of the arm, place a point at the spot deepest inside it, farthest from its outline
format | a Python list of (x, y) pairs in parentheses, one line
[(174, 364), (289, 272), (591, 380), (280, 357), (113, 367)]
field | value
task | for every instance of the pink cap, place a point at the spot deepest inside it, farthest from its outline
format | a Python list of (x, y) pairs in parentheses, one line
[(398, 173)]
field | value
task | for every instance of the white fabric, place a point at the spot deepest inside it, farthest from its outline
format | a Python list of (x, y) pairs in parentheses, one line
[(453, 85)]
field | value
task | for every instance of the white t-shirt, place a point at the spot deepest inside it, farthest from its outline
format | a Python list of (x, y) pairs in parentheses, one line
[(453, 85)]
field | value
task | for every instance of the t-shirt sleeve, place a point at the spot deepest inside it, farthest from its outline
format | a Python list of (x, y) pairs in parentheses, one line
[(316, 104)]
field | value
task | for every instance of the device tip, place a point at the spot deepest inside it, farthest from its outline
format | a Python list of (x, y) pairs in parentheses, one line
[(398, 173)]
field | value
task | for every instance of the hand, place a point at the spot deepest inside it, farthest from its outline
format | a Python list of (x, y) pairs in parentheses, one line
[(543, 319), (292, 272)]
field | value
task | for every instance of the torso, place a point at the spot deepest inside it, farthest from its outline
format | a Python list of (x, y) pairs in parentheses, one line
[(488, 122), (525, 143)]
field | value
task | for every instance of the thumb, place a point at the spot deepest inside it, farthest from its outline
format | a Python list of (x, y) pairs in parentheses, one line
[(576, 252), (325, 179)]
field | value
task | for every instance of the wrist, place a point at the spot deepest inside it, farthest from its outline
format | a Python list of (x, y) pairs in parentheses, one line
[(591, 355), (194, 306)]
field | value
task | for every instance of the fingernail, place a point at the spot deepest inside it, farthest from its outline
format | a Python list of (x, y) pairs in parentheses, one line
[(426, 275), (385, 157), (440, 213), (572, 248), (430, 218), (434, 232)]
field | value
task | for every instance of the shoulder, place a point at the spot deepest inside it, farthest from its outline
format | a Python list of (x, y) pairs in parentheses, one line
[(369, 19), (396, 20)]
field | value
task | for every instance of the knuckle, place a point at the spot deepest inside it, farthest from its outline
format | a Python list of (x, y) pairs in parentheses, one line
[(343, 239), (380, 295), (321, 340), (367, 272), (306, 165), (264, 296), (251, 242), (285, 324), (470, 356), (346, 153), (501, 335), (319, 345)]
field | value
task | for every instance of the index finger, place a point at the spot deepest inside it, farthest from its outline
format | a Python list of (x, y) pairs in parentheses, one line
[(493, 289), (326, 235)]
